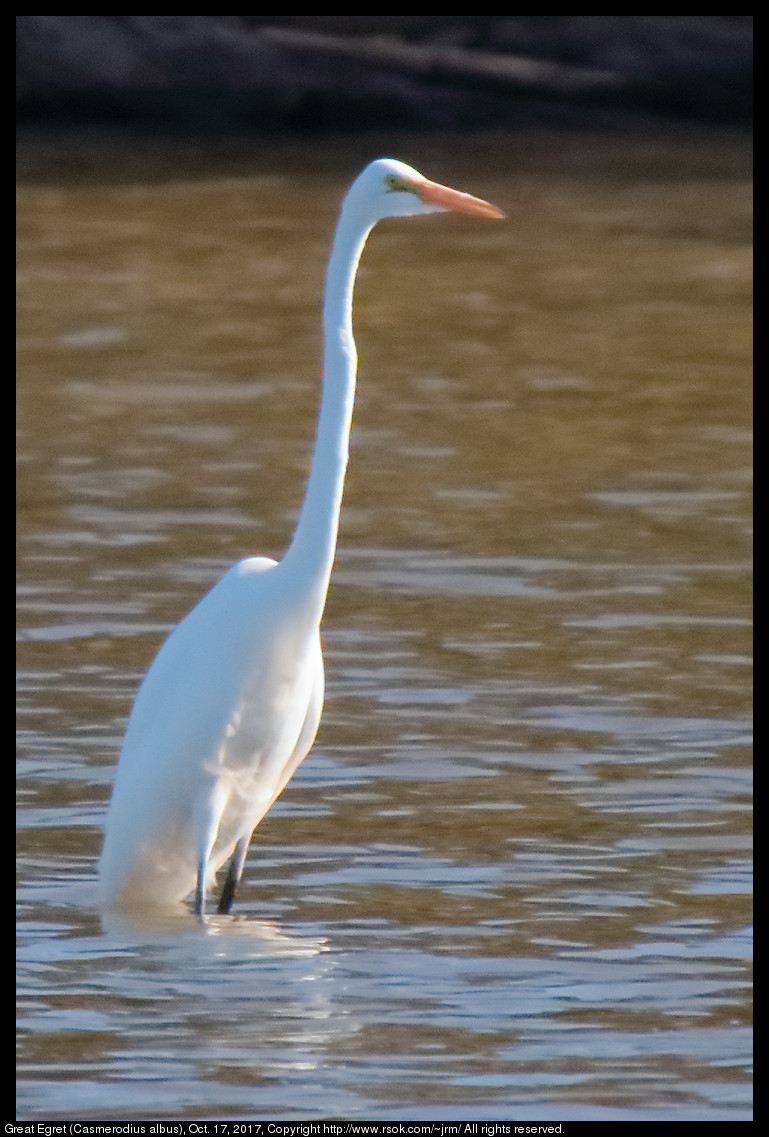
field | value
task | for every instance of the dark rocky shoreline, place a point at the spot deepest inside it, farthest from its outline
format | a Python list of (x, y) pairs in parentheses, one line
[(313, 73)]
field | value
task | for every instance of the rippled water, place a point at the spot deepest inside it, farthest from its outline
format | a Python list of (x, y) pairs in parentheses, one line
[(512, 879)]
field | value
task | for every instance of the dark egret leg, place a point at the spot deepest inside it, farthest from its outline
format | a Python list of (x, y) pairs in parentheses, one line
[(234, 873)]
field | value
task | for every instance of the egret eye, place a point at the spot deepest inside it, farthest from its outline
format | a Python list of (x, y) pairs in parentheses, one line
[(394, 183)]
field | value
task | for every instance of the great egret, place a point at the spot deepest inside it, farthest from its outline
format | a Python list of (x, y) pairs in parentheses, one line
[(232, 701)]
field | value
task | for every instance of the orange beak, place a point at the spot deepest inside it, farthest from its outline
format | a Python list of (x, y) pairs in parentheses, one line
[(434, 194)]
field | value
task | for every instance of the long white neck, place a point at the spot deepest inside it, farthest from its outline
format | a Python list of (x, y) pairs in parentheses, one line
[(311, 553)]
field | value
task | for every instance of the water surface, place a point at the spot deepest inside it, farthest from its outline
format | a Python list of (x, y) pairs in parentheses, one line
[(512, 879)]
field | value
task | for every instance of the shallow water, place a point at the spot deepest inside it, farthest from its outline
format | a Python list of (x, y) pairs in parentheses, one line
[(512, 879)]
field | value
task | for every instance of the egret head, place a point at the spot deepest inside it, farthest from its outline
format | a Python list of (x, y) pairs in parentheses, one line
[(388, 188)]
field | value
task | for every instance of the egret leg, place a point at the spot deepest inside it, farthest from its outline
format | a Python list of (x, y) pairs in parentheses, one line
[(207, 815), (200, 896), (234, 873)]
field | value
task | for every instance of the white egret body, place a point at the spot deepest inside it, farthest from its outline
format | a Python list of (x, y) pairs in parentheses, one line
[(232, 701)]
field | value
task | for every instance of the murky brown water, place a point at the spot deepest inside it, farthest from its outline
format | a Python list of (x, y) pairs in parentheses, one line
[(511, 881)]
